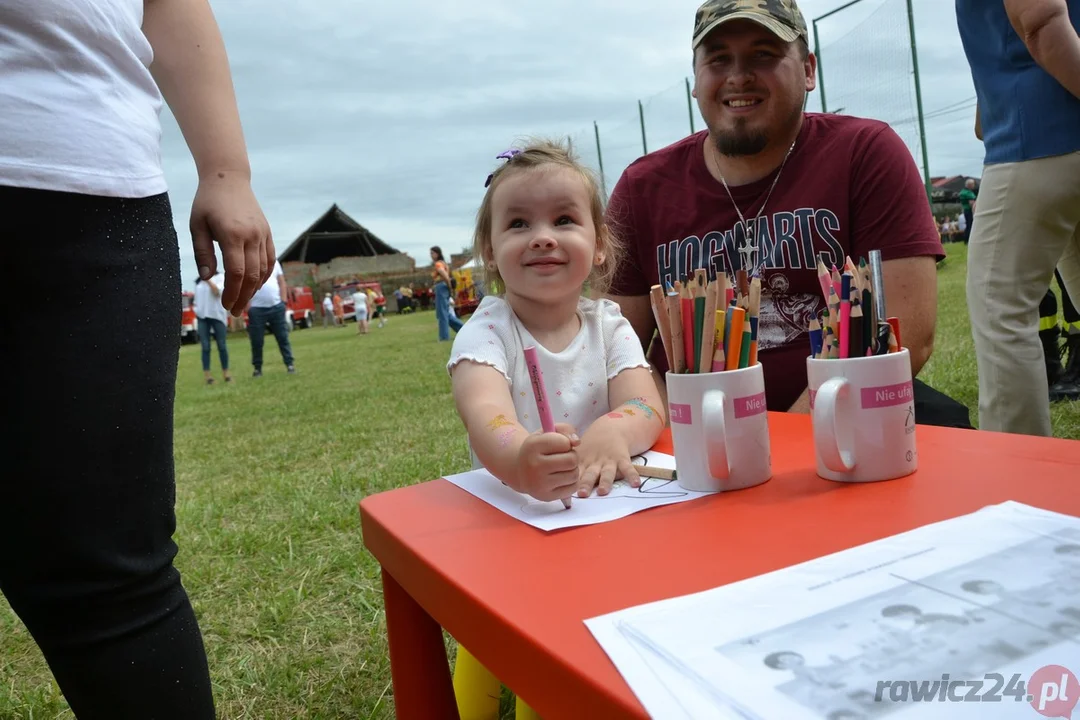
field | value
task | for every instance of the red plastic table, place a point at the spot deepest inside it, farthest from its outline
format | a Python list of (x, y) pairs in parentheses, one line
[(517, 596)]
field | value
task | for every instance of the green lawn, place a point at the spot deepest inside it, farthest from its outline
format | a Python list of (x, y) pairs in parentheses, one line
[(269, 473)]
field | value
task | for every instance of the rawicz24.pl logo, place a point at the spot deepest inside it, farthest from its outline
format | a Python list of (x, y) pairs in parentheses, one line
[(1052, 691)]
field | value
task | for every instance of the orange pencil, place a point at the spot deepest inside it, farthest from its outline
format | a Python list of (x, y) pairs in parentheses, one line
[(735, 338)]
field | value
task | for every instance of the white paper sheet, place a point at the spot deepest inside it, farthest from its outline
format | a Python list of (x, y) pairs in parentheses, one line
[(661, 688), (623, 500), (996, 591)]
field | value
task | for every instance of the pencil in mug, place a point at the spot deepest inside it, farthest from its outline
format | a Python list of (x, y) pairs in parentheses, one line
[(718, 361), (755, 308), (733, 352), (675, 323), (701, 280), (547, 422), (663, 325), (708, 329), (686, 305)]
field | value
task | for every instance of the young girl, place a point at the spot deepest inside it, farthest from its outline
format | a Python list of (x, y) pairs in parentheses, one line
[(540, 234)]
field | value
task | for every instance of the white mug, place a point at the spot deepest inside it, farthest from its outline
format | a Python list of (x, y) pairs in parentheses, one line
[(863, 413), (719, 429)]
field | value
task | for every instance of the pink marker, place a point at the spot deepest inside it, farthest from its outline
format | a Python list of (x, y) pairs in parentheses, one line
[(547, 421)]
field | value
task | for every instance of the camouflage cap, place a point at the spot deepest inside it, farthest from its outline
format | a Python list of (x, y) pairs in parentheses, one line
[(781, 17)]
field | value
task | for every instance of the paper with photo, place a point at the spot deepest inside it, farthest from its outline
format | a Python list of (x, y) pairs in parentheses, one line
[(996, 591), (623, 500)]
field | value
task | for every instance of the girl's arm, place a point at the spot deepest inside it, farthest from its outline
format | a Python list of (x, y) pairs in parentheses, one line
[(542, 465), (631, 428)]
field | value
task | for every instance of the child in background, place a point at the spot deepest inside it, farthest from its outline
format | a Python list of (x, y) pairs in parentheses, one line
[(540, 234)]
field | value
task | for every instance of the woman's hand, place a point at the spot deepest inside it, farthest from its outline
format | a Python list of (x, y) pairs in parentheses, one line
[(603, 457), (225, 211)]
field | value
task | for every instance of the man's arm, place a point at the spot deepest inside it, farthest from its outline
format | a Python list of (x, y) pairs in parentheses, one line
[(978, 122), (1050, 37), (911, 296), (283, 288)]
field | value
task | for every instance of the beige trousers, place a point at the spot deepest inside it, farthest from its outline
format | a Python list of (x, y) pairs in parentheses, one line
[(1027, 221)]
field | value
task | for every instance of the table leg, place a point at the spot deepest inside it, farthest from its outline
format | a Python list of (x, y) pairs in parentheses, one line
[(422, 685)]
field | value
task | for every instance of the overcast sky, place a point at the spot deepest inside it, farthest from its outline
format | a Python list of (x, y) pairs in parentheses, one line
[(396, 110)]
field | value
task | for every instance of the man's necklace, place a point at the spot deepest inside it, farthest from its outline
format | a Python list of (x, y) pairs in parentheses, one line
[(751, 248)]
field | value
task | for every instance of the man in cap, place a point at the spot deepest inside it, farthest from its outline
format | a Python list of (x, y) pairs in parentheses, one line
[(772, 189)]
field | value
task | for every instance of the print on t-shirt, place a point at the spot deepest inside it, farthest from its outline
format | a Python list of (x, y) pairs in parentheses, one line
[(787, 242)]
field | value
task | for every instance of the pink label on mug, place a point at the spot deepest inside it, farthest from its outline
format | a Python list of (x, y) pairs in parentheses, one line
[(887, 395), (813, 394), (680, 414), (749, 406)]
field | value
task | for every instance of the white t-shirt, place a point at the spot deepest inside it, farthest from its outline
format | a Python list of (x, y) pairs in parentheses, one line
[(269, 294), (328, 306), (79, 110), (576, 379), (207, 304), (360, 304)]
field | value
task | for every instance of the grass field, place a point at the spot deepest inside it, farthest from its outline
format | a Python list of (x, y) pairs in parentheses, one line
[(269, 473)]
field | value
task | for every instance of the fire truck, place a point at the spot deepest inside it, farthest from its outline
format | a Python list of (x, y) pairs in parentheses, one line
[(189, 326)]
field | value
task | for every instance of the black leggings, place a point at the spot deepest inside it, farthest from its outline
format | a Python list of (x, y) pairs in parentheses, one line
[(87, 499)]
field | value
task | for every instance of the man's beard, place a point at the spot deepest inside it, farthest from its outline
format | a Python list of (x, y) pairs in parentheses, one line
[(741, 141)]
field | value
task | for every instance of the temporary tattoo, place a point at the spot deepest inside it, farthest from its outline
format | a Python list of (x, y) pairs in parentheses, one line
[(498, 422), (506, 435), (640, 404), (614, 416)]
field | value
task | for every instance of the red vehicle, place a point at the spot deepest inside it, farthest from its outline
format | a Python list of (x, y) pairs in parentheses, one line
[(299, 308), (189, 325), (348, 307)]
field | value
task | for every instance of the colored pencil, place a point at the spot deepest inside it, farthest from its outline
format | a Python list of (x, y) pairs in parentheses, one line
[(733, 352), (845, 315), (656, 472), (675, 323), (708, 330), (663, 324), (755, 308), (547, 421)]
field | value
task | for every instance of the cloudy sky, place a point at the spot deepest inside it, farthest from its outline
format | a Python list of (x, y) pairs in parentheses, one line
[(395, 111)]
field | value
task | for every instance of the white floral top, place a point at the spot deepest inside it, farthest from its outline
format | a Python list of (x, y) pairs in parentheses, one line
[(575, 379)]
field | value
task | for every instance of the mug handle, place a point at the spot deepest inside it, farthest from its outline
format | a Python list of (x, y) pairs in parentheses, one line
[(826, 423), (715, 429)]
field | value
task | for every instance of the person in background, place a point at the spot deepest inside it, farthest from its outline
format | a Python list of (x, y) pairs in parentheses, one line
[(440, 274), (773, 190), (328, 316), (1063, 379), (339, 310), (86, 525), (1025, 63), (268, 308), (968, 198), (212, 319), (360, 308)]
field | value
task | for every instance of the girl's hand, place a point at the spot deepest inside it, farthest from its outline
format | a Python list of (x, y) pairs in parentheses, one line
[(603, 457), (549, 467)]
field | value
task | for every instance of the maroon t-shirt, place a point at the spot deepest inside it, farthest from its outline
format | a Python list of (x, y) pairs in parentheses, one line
[(850, 186)]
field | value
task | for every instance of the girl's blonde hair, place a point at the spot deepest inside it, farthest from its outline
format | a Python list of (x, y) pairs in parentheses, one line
[(538, 154)]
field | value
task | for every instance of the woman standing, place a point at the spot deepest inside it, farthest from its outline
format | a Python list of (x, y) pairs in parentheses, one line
[(441, 275), (87, 506)]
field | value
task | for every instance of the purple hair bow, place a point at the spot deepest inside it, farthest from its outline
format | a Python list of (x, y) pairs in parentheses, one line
[(505, 155)]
